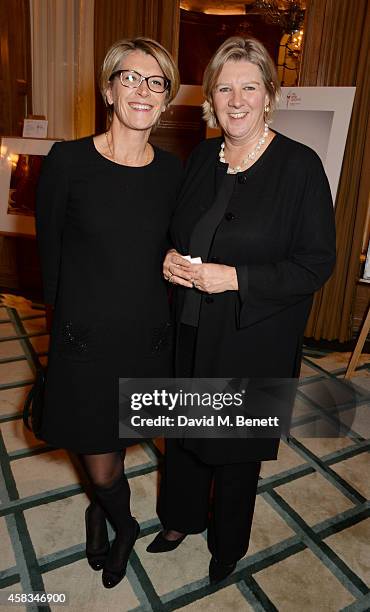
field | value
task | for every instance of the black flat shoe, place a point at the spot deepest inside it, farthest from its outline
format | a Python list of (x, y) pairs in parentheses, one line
[(96, 556), (111, 576), (161, 544), (218, 571)]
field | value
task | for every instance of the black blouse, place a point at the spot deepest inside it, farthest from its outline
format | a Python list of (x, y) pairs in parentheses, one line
[(203, 235)]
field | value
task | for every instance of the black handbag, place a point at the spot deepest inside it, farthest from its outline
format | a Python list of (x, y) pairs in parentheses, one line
[(34, 404)]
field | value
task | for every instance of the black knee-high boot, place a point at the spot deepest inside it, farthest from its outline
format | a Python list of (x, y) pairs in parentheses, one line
[(97, 543), (115, 500)]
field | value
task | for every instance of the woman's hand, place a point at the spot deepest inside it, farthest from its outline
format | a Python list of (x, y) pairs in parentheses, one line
[(177, 270), (214, 278)]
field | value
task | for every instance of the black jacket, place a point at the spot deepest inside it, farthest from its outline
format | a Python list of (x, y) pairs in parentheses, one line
[(279, 233)]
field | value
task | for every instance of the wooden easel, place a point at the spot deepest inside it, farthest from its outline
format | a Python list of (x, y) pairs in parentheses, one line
[(359, 346), (366, 325)]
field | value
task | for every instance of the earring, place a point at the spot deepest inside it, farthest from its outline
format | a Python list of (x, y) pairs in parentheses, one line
[(266, 111)]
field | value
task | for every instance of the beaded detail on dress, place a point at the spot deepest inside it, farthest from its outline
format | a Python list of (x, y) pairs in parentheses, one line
[(161, 337), (74, 337)]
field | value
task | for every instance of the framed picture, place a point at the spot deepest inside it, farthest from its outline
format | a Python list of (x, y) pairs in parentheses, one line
[(21, 161)]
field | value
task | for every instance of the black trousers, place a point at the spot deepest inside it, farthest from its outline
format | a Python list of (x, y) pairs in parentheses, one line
[(185, 500), (195, 496)]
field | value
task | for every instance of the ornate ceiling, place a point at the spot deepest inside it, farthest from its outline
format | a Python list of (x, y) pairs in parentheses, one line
[(229, 7), (216, 7)]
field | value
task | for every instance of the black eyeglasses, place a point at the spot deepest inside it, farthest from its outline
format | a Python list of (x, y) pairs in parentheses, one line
[(131, 78)]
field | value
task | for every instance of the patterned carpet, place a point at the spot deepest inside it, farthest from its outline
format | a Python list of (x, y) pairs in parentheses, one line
[(310, 545)]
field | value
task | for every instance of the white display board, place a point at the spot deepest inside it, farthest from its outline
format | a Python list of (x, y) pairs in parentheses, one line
[(316, 116), (319, 117), (367, 266)]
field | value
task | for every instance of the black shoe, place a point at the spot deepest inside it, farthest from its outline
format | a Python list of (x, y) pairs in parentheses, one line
[(96, 531), (112, 576), (218, 571), (161, 544)]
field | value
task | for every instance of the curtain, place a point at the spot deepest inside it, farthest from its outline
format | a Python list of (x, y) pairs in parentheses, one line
[(336, 51), (116, 19), (85, 78), (62, 42)]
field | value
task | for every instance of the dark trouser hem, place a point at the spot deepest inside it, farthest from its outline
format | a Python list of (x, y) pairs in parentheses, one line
[(184, 500)]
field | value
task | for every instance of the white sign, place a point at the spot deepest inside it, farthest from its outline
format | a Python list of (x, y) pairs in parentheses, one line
[(35, 128)]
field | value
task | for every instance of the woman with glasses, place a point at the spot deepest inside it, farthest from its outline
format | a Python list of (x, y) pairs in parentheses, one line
[(104, 205)]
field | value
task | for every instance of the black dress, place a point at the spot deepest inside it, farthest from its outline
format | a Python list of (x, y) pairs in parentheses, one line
[(102, 233), (278, 231)]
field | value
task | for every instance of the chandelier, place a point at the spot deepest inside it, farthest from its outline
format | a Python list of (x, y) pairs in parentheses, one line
[(289, 14)]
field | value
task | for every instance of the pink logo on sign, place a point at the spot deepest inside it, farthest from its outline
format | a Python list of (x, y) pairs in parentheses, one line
[(292, 99)]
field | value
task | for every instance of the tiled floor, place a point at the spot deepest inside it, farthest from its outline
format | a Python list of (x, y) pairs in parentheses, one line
[(310, 544)]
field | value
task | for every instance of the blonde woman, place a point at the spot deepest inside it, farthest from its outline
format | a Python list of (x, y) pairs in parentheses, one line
[(104, 205), (256, 207)]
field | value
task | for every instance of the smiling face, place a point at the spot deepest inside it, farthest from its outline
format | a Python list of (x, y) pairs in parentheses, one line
[(239, 99), (137, 108)]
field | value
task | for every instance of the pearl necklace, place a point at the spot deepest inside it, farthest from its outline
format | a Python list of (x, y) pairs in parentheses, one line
[(250, 156)]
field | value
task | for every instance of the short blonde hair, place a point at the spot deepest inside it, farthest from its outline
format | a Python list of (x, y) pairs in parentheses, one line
[(235, 49), (121, 49)]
